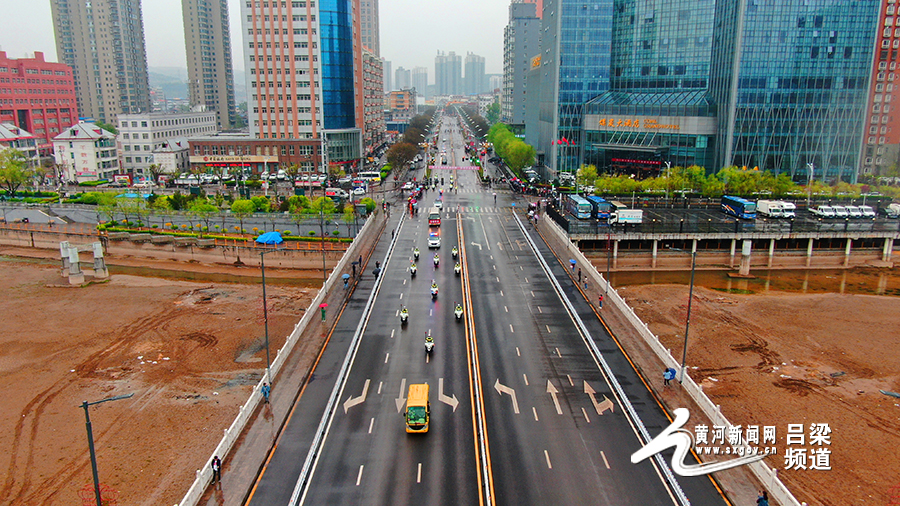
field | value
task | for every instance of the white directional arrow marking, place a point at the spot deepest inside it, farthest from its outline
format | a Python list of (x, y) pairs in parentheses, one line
[(476, 244), (500, 245), (353, 401), (600, 407), (401, 400), (450, 401), (503, 389), (553, 391)]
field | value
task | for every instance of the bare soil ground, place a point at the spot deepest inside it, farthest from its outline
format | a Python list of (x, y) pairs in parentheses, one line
[(783, 358), (189, 352)]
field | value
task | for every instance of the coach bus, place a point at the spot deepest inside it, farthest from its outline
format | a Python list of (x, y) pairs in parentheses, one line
[(601, 207), (434, 217), (738, 207), (578, 206)]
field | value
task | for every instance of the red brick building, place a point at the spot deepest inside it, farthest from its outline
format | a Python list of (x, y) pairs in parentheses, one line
[(881, 149), (37, 96)]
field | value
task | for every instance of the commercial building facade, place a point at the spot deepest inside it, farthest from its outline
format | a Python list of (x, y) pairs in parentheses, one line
[(207, 41), (245, 154), (369, 26), (881, 149), (474, 80), (37, 96), (23, 141), (374, 130), (172, 157), (521, 41), (402, 78), (140, 135), (448, 74), (86, 152), (420, 81), (103, 42)]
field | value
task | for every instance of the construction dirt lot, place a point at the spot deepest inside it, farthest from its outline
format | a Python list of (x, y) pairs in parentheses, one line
[(783, 358), (190, 352)]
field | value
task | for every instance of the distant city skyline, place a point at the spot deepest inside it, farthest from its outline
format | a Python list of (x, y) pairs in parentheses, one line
[(28, 30)]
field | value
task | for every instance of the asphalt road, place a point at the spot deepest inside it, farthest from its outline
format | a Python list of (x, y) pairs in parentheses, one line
[(549, 441)]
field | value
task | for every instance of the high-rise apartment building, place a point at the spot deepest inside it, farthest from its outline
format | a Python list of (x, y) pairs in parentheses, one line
[(207, 42), (881, 150), (304, 72), (402, 78), (388, 75), (448, 74), (475, 81), (521, 41), (37, 96), (420, 80), (374, 129), (103, 42), (369, 26)]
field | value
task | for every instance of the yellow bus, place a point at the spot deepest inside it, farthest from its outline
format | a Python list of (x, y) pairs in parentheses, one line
[(418, 409)]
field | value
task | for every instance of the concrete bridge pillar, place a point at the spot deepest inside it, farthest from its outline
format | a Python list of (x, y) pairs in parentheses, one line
[(76, 276), (615, 254), (847, 252), (64, 254), (888, 249), (809, 251), (745, 257), (733, 245), (655, 246), (100, 271), (771, 252)]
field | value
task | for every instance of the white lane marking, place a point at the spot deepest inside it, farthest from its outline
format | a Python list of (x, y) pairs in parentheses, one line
[(501, 293), (517, 352), (397, 313), (548, 329), (526, 379), (401, 295), (430, 311), (547, 456), (492, 257), (506, 308), (534, 410), (551, 389), (371, 423), (585, 415), (558, 353), (571, 383), (379, 387), (392, 333), (540, 310), (428, 358), (532, 292), (404, 281), (526, 280), (419, 474), (386, 357), (359, 476), (498, 279), (495, 267), (521, 268), (604, 459), (510, 328)]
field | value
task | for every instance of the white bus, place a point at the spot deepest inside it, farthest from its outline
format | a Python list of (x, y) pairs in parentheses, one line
[(372, 176)]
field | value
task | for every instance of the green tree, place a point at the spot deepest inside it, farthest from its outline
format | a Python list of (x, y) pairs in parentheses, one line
[(155, 170), (131, 207), (519, 156), (492, 114), (400, 154), (586, 175), (106, 126), (243, 209), (322, 205), (369, 203), (262, 203), (204, 210), (14, 170)]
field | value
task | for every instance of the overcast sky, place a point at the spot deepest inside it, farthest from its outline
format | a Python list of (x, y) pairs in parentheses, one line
[(412, 31)]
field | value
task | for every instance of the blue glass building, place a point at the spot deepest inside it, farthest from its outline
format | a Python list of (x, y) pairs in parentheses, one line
[(336, 46), (576, 43), (790, 81)]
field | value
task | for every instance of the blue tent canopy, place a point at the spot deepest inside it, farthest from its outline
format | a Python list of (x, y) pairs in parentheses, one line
[(270, 238), (132, 196)]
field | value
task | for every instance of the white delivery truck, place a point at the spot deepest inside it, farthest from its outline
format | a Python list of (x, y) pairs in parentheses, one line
[(627, 217), (892, 211), (840, 212), (770, 208), (823, 211), (854, 212), (867, 211), (788, 209)]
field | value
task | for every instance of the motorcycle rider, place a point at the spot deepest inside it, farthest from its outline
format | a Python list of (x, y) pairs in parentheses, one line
[(413, 268), (429, 343), (454, 251), (458, 311), (434, 288), (437, 259), (416, 253), (404, 315)]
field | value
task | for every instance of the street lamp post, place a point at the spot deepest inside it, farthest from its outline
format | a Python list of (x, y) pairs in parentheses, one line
[(262, 268), (90, 434), (811, 168), (687, 325)]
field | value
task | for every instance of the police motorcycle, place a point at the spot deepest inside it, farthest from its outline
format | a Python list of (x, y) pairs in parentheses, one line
[(434, 290), (458, 311), (429, 344), (416, 253), (457, 268), (404, 316), (454, 252), (437, 259), (412, 270)]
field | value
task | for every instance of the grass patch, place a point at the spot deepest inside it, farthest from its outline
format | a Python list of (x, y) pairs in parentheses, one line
[(737, 291)]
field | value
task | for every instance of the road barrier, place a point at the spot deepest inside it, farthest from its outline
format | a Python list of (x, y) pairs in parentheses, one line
[(766, 475)]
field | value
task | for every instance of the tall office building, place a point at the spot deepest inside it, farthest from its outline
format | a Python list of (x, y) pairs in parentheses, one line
[(882, 129), (374, 131), (420, 80), (475, 78), (388, 75), (448, 74), (576, 41), (103, 42), (208, 46), (402, 78), (369, 26), (521, 41), (791, 85)]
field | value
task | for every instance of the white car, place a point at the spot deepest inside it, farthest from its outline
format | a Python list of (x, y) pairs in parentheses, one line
[(439, 204), (408, 185), (359, 191)]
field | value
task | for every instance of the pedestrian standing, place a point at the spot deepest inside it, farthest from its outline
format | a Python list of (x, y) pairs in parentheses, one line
[(354, 269), (763, 499), (266, 389), (669, 375), (600, 301), (216, 469), (579, 275)]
